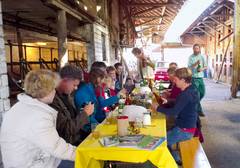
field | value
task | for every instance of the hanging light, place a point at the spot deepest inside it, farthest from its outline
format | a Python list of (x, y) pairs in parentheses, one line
[(98, 8)]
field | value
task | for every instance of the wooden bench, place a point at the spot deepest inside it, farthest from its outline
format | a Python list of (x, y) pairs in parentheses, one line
[(193, 155)]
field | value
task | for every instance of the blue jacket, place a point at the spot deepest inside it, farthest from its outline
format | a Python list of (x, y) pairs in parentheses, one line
[(185, 108), (86, 94)]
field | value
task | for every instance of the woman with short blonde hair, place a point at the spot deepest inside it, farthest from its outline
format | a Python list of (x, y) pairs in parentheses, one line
[(185, 110), (40, 83), (28, 134)]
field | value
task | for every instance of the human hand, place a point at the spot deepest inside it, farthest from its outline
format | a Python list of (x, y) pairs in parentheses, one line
[(196, 63), (164, 100), (122, 92), (200, 69), (88, 109), (154, 106)]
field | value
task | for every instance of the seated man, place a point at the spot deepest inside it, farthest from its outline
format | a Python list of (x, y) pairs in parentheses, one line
[(185, 110), (70, 121)]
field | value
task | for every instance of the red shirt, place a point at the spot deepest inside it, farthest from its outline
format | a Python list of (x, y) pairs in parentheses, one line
[(175, 92)]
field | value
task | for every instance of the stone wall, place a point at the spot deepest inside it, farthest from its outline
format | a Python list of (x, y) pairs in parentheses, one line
[(4, 89)]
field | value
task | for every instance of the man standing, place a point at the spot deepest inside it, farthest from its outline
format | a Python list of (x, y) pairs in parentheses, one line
[(145, 65), (70, 121), (197, 64)]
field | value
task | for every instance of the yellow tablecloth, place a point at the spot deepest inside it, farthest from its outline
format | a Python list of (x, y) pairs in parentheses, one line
[(90, 154)]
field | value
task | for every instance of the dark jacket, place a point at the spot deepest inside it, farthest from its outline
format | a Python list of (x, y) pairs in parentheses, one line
[(69, 121), (185, 108)]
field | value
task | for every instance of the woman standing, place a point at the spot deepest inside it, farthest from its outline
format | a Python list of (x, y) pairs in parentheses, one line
[(28, 135)]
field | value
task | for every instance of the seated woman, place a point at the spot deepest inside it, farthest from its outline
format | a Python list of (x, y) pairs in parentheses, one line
[(106, 91), (185, 110), (86, 94), (28, 134), (173, 91)]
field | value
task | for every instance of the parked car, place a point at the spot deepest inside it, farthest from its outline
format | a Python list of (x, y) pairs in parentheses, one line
[(161, 71)]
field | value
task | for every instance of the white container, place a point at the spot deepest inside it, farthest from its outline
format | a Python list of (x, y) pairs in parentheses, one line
[(122, 125), (137, 85), (146, 119)]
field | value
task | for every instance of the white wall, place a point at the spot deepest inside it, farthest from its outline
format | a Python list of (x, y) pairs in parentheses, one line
[(98, 30), (178, 55)]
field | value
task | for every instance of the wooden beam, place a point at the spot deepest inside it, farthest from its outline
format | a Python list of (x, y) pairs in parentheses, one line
[(143, 30), (236, 51), (147, 17), (228, 7), (144, 23), (191, 32), (221, 23), (224, 60), (135, 4), (207, 33), (206, 25), (125, 8), (145, 11), (77, 13), (226, 37), (62, 38)]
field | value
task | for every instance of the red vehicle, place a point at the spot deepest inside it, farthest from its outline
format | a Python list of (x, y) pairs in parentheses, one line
[(161, 71)]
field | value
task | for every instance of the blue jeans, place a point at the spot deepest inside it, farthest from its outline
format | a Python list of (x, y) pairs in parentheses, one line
[(176, 135), (66, 164)]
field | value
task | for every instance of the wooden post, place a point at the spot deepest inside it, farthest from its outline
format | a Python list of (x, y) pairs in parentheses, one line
[(236, 50), (62, 38), (11, 54), (20, 53)]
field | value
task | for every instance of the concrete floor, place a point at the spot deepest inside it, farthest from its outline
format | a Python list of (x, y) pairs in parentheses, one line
[(221, 126)]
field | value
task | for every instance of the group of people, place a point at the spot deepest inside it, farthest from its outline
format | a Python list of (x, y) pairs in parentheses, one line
[(56, 112), (183, 100)]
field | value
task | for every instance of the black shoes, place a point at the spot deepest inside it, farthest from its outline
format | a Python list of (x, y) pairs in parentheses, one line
[(179, 163), (201, 114)]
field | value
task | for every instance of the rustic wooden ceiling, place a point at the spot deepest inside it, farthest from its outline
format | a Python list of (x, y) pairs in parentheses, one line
[(149, 17), (216, 14)]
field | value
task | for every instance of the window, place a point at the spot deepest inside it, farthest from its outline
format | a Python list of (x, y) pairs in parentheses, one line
[(230, 70), (216, 58), (225, 70), (216, 68), (229, 29), (221, 57), (116, 53), (104, 56), (231, 57)]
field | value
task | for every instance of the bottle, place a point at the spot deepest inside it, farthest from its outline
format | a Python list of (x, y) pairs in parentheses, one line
[(161, 88), (198, 67), (120, 106), (158, 98), (128, 100)]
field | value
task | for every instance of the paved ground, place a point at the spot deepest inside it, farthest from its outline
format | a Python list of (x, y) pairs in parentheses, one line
[(221, 126)]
